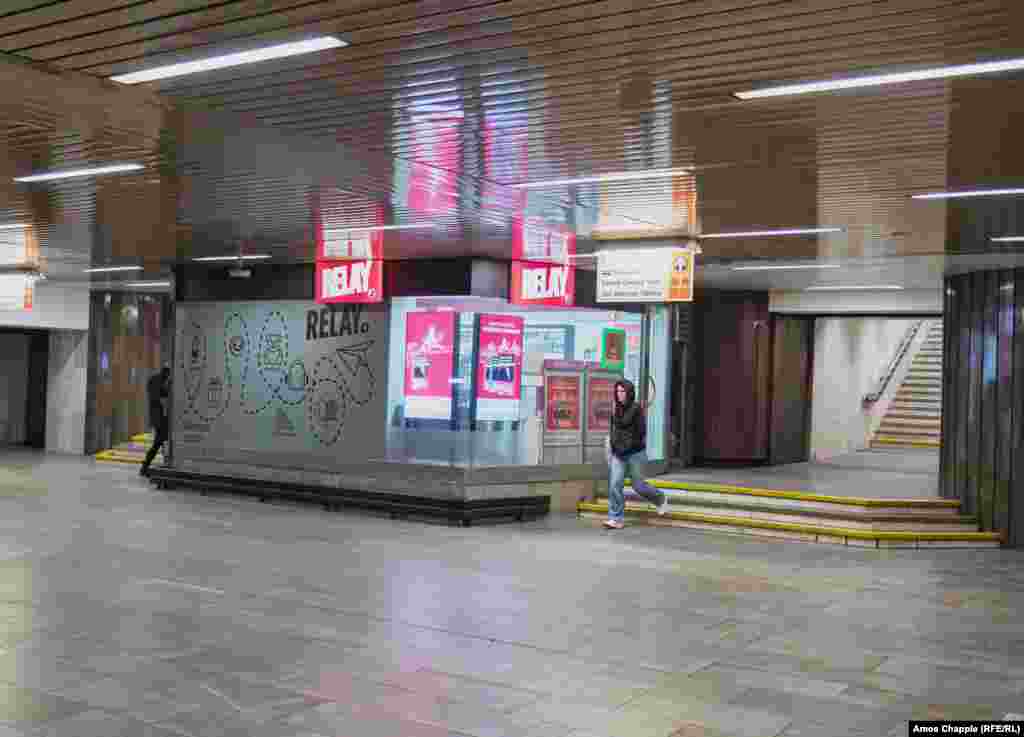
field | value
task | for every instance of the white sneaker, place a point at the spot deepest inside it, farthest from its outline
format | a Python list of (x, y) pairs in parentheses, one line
[(613, 524), (663, 507)]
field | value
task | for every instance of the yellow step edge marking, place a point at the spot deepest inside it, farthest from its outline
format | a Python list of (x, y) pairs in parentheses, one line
[(804, 529), (800, 495), (906, 443)]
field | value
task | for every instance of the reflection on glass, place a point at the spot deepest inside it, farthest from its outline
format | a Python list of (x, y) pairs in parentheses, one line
[(480, 433)]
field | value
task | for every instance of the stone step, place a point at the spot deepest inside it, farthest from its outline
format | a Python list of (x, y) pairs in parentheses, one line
[(897, 426), (810, 529), (912, 408), (903, 414), (910, 434), (908, 441), (894, 516), (923, 422)]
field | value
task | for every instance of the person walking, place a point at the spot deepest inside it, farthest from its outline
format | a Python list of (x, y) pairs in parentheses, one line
[(158, 389), (627, 442)]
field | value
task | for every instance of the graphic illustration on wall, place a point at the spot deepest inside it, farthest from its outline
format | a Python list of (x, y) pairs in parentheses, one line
[(265, 373)]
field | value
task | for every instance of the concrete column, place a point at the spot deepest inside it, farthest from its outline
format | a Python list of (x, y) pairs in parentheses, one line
[(67, 381)]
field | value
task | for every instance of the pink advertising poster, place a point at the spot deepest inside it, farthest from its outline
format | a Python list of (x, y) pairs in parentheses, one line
[(499, 367), (429, 364)]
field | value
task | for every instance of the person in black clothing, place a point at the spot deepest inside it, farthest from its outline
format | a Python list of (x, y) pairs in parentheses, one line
[(158, 388), (627, 442)]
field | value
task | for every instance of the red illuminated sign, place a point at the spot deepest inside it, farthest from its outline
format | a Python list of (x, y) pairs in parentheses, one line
[(341, 282), (542, 271), (533, 239), (535, 283)]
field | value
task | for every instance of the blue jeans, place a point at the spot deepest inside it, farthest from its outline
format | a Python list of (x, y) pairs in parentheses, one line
[(634, 463)]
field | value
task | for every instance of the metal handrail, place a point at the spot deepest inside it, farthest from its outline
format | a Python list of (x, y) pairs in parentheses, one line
[(901, 351)]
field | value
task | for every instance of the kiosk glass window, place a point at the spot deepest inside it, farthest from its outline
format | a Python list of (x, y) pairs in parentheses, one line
[(482, 395)]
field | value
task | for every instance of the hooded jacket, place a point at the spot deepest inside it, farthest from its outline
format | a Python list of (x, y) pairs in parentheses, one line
[(158, 388), (629, 426)]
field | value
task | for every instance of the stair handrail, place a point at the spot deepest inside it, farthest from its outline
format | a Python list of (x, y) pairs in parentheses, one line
[(890, 371)]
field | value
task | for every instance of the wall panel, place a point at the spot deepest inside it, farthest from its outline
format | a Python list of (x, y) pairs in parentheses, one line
[(982, 433)]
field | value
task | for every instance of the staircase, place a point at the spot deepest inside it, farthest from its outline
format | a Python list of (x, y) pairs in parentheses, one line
[(806, 516), (914, 419), (134, 451)]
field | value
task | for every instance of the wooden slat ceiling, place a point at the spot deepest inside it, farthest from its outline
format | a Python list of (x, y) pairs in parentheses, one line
[(574, 88)]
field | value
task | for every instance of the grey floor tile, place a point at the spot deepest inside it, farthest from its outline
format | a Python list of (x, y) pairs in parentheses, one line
[(173, 613), (98, 723)]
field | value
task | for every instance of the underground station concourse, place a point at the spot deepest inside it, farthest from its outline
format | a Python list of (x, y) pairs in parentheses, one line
[(331, 334)]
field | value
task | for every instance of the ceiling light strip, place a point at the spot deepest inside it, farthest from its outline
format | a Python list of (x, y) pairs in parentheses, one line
[(969, 193), (614, 177), (374, 228), (844, 287), (788, 266), (147, 284), (248, 257), (1009, 239), (253, 56), (105, 269), (769, 233), (875, 80), (76, 173)]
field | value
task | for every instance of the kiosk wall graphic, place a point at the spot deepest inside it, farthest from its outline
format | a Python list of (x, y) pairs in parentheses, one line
[(284, 380)]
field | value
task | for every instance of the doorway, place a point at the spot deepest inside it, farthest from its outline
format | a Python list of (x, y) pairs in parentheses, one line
[(23, 373)]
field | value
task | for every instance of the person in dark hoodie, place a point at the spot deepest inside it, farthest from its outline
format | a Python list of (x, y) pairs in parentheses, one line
[(158, 388), (627, 442)]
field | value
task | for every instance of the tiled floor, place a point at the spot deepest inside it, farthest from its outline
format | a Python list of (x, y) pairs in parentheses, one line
[(911, 473), (130, 611)]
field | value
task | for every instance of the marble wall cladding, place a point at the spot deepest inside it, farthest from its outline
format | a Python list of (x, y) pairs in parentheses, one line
[(850, 356), (66, 386)]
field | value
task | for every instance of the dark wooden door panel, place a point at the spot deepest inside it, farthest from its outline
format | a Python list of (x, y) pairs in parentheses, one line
[(792, 352), (735, 365)]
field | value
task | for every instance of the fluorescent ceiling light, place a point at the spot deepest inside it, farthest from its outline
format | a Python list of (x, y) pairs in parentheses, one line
[(1009, 239), (968, 193), (248, 257), (75, 173), (103, 269), (875, 80), (766, 233), (147, 284), (619, 177), (841, 287), (422, 226), (279, 51), (788, 266), (13, 226)]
